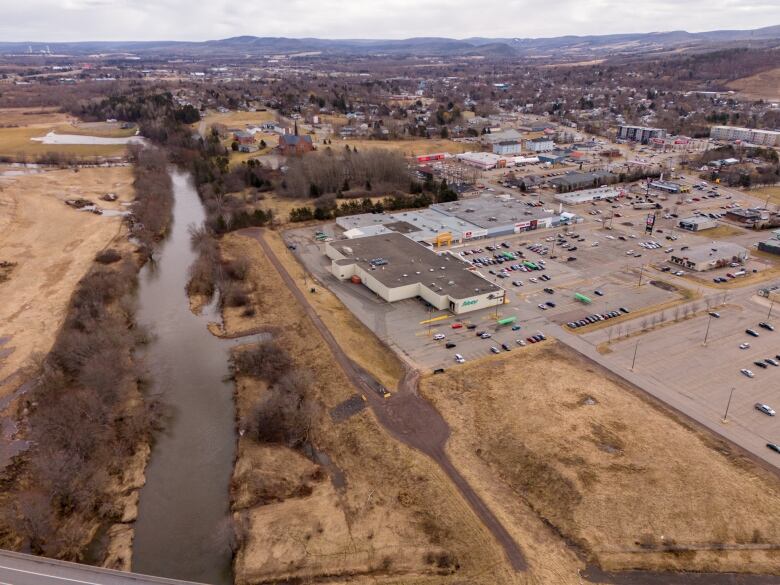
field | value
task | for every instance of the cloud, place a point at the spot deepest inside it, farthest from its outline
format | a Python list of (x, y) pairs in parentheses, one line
[(73, 20)]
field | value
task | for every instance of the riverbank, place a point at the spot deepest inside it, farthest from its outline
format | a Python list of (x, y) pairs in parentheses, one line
[(83, 415)]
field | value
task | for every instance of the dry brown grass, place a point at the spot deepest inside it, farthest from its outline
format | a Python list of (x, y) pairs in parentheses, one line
[(396, 509), (53, 246), (761, 86), (236, 119), (610, 472), (27, 124), (722, 232), (412, 147), (770, 194)]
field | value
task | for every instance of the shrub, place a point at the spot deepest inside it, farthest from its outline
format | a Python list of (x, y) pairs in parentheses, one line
[(108, 256)]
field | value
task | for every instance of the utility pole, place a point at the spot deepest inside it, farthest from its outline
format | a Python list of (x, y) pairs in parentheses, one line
[(771, 304), (641, 271), (633, 361), (726, 414), (707, 332)]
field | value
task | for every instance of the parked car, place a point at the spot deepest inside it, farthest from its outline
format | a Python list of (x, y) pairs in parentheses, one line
[(550, 304), (486, 335), (765, 408), (457, 325), (772, 362), (549, 291), (471, 326), (766, 326), (774, 446), (747, 373), (438, 337), (744, 346), (751, 332), (714, 314), (494, 349), (598, 292), (542, 306), (449, 345), (459, 358), (520, 342), (760, 364), (505, 347)]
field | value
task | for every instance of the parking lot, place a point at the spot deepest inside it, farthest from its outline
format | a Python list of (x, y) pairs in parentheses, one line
[(674, 357)]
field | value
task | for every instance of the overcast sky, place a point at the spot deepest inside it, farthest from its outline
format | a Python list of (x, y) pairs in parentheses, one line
[(81, 20)]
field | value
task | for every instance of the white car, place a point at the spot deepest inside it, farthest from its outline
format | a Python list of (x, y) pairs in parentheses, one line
[(630, 253), (594, 244), (747, 373), (520, 342), (765, 408), (679, 273), (542, 307), (459, 359), (438, 336), (744, 346), (533, 279)]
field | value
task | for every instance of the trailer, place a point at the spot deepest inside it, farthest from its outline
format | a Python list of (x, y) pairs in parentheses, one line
[(582, 298), (507, 321)]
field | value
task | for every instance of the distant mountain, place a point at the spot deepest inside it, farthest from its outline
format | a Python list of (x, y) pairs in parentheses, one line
[(565, 47)]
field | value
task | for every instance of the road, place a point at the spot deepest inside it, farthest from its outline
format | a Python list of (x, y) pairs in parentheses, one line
[(407, 416), (22, 569)]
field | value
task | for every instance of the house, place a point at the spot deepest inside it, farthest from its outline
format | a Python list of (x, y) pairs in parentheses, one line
[(243, 137), (292, 144)]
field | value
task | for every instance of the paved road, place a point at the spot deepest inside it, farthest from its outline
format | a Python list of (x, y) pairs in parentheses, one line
[(407, 416), (21, 569)]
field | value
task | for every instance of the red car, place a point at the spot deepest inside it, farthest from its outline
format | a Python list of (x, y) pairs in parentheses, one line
[(457, 325)]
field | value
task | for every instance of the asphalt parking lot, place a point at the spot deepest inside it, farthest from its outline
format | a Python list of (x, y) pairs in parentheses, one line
[(674, 356)]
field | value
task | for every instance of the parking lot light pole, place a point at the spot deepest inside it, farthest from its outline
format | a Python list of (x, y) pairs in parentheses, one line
[(707, 332), (771, 304), (633, 361), (726, 414)]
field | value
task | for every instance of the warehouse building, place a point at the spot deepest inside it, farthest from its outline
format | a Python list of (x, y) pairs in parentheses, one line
[(421, 225), (396, 268), (709, 256), (578, 180), (501, 216), (698, 223), (482, 160), (588, 195)]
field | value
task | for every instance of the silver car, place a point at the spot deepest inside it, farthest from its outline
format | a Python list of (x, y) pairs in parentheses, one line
[(765, 408)]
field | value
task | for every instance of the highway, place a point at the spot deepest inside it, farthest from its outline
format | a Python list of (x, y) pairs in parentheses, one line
[(22, 569)]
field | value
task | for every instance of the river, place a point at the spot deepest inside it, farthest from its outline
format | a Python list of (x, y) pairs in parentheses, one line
[(183, 517)]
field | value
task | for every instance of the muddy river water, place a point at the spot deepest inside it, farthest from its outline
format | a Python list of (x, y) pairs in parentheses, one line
[(183, 519)]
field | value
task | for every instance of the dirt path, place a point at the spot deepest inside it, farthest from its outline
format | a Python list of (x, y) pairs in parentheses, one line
[(406, 415)]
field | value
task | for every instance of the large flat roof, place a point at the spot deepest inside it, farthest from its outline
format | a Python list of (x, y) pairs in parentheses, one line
[(408, 262), (418, 224), (490, 212), (711, 252)]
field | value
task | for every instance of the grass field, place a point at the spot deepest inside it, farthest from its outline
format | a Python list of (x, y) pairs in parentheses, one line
[(236, 119), (53, 246), (413, 147), (723, 231), (616, 475), (761, 86)]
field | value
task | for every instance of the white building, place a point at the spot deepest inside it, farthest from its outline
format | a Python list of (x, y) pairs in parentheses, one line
[(507, 148), (751, 135), (709, 256), (481, 160), (395, 268), (541, 144), (588, 195), (640, 134)]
